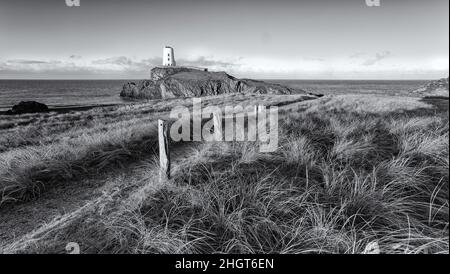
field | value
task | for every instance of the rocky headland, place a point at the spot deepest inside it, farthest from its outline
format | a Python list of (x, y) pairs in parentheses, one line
[(172, 82)]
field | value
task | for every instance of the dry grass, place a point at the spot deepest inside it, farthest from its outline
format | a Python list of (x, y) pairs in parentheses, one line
[(325, 190), (347, 173), (47, 149)]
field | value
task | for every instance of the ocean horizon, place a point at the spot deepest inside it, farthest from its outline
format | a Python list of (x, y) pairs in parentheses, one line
[(75, 93)]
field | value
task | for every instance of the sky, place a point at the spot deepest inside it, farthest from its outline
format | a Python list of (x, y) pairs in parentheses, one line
[(278, 39)]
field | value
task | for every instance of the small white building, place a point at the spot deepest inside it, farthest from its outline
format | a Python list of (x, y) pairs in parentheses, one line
[(169, 57)]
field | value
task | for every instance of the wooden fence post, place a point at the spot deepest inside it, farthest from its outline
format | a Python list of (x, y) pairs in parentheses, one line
[(164, 153), (217, 127), (252, 126), (261, 109)]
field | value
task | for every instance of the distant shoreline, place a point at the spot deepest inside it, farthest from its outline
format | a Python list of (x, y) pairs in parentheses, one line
[(79, 95)]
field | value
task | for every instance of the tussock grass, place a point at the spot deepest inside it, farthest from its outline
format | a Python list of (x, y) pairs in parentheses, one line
[(336, 184), (24, 173), (46, 149), (348, 173)]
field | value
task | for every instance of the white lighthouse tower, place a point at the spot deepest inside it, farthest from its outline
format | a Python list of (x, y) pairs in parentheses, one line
[(168, 57)]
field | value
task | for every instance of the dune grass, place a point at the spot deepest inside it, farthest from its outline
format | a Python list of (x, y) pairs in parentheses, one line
[(336, 184), (25, 173), (45, 149), (344, 177)]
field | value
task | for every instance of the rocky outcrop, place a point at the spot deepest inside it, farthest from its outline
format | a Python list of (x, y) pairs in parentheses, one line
[(434, 88), (170, 82), (28, 107), (158, 73)]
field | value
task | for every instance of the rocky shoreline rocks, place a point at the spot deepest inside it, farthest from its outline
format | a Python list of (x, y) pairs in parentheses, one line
[(28, 107)]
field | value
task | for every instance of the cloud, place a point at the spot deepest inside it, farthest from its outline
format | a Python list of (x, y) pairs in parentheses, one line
[(119, 61), (76, 57), (357, 55), (125, 64), (379, 56), (26, 62), (314, 59), (24, 65), (122, 65), (203, 61)]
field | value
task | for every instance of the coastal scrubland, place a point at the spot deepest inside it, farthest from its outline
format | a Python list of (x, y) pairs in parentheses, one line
[(352, 174)]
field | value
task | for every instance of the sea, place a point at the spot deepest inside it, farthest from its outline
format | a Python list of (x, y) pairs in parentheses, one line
[(79, 93)]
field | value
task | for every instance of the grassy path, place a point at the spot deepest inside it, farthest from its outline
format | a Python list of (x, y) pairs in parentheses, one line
[(65, 205)]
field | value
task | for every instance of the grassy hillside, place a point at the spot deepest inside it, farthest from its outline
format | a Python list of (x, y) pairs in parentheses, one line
[(350, 171)]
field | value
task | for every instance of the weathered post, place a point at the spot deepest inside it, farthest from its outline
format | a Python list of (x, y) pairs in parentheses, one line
[(164, 154), (261, 110), (217, 127), (262, 121), (252, 116)]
